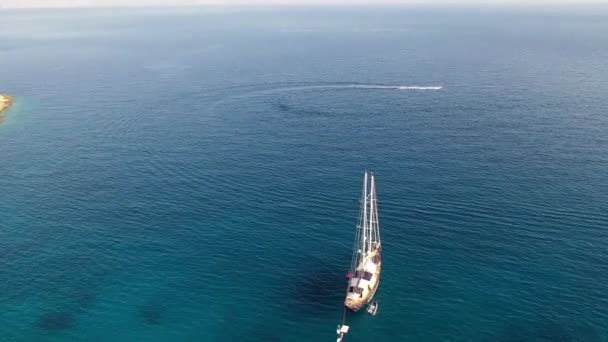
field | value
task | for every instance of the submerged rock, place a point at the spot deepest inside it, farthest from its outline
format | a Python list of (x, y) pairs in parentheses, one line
[(151, 314), (55, 321)]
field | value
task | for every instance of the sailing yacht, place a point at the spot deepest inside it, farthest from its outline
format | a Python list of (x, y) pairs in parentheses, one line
[(364, 274)]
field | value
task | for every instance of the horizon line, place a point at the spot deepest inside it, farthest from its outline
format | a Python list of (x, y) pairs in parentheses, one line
[(314, 4)]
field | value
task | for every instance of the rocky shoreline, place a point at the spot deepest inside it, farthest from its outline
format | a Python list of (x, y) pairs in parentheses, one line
[(5, 103)]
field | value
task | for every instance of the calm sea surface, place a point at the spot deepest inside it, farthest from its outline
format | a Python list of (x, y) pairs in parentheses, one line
[(193, 174)]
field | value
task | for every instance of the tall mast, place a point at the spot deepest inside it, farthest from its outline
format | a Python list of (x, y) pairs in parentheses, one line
[(371, 214), (365, 227), (374, 226)]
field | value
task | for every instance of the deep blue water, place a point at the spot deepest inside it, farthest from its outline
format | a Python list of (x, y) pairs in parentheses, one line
[(193, 174)]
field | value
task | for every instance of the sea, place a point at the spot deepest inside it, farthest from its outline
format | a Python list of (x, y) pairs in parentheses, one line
[(194, 174)]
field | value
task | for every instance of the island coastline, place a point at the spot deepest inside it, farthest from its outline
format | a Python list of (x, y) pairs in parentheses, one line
[(6, 102)]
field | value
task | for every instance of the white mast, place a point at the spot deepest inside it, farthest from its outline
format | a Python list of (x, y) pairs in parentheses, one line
[(374, 214), (365, 227), (371, 214)]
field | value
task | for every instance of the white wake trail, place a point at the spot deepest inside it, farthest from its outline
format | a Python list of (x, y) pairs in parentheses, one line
[(262, 92), (396, 87), (420, 88)]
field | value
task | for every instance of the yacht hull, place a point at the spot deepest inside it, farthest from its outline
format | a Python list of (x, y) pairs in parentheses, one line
[(360, 290)]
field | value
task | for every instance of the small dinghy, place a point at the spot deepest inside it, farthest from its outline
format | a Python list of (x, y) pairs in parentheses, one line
[(372, 308), (341, 331)]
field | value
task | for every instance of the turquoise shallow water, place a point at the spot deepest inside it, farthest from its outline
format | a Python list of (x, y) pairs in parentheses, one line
[(193, 175)]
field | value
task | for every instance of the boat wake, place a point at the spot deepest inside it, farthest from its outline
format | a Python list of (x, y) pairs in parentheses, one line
[(357, 86), (249, 93), (375, 86)]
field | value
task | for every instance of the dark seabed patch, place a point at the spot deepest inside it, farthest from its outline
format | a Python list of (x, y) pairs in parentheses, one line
[(8, 252), (318, 289), (152, 313), (55, 321)]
